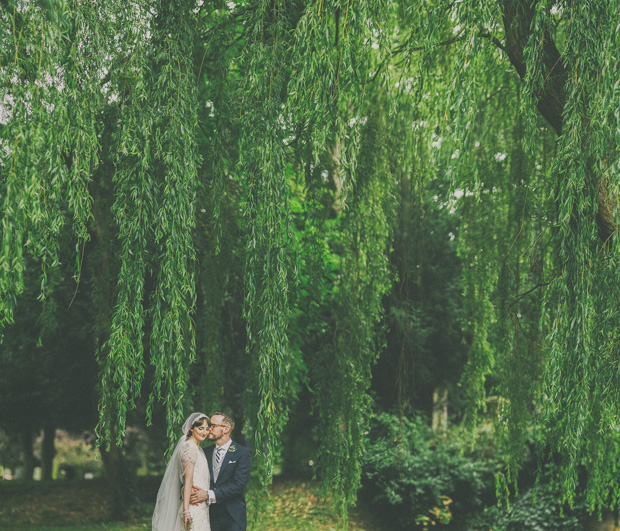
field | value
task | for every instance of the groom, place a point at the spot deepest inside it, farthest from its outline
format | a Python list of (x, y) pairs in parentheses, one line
[(229, 466)]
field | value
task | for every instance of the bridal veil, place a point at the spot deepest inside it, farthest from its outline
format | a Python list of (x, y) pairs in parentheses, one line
[(169, 494)]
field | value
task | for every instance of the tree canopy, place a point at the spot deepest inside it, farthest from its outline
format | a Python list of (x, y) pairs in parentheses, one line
[(261, 196)]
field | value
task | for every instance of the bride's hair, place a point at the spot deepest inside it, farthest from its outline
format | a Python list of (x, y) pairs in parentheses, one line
[(197, 422)]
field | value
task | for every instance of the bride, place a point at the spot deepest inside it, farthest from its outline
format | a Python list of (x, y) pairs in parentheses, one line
[(187, 467)]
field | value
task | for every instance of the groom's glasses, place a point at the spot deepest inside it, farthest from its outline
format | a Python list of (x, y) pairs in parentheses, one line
[(218, 426)]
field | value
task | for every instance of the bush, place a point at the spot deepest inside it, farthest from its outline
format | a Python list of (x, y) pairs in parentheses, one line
[(414, 477), (536, 508), (539, 513), (539, 508)]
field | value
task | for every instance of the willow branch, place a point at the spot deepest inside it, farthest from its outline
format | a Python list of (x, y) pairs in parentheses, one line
[(404, 48), (526, 293)]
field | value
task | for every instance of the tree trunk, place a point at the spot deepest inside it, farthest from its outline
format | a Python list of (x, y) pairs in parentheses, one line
[(336, 174), (605, 217), (48, 450), (121, 481), (28, 450), (518, 16), (440, 409), (103, 268)]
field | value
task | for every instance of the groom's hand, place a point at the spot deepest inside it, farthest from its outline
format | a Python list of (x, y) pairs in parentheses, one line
[(198, 496)]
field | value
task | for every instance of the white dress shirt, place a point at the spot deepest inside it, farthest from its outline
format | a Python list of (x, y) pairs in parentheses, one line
[(224, 447)]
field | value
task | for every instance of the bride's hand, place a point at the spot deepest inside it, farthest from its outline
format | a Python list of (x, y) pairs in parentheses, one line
[(187, 520)]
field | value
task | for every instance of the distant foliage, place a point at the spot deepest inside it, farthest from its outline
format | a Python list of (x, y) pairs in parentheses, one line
[(77, 456)]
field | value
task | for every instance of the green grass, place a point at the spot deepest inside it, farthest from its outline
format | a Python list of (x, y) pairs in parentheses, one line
[(85, 527), (84, 506)]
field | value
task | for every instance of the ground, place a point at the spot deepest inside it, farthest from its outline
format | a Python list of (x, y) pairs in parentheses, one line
[(84, 505)]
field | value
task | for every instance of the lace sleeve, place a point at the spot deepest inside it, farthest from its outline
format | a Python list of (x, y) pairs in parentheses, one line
[(189, 453)]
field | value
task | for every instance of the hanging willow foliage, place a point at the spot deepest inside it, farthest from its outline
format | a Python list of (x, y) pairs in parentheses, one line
[(66, 61), (560, 52), (155, 205), (46, 160), (173, 337), (324, 43), (134, 209), (336, 43), (343, 370), (263, 168), (581, 383)]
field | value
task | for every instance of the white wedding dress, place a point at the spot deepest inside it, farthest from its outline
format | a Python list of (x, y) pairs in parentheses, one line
[(200, 513)]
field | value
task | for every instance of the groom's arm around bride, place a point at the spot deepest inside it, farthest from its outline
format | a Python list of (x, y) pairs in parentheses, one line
[(229, 466)]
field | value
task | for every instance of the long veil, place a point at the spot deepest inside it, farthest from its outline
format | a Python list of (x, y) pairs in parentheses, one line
[(169, 495)]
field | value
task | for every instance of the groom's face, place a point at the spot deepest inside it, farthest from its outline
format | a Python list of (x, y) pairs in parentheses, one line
[(218, 428)]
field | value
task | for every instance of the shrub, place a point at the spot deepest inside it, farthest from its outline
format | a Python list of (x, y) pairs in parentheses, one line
[(538, 513), (414, 477), (540, 508)]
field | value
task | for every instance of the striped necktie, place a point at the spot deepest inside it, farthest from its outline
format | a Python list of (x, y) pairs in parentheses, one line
[(219, 455)]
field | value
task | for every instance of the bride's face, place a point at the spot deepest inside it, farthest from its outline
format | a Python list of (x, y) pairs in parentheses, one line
[(200, 432)]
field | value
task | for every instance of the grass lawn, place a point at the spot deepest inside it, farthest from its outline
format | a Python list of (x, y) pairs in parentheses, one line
[(84, 505)]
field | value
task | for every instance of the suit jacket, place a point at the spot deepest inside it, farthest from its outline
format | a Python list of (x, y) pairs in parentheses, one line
[(229, 489)]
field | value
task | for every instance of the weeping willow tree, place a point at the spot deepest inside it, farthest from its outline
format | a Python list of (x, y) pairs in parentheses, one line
[(165, 139), (561, 214)]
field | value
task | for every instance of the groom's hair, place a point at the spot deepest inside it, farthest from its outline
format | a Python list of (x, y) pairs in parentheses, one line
[(227, 419)]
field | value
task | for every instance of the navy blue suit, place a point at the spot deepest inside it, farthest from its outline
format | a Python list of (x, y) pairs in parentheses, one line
[(228, 513)]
